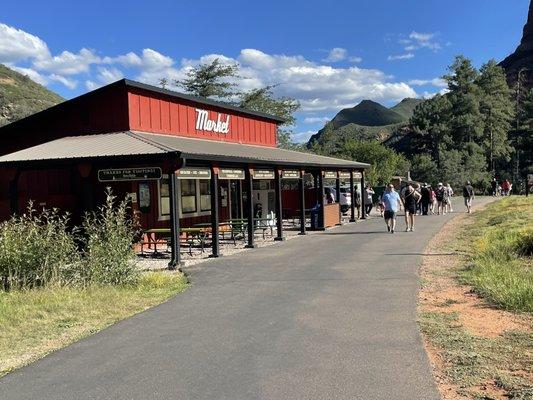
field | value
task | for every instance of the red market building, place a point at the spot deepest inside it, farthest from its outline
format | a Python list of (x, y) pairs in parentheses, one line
[(181, 160)]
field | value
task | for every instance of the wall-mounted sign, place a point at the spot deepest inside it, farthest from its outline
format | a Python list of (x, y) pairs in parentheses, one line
[(263, 174), (330, 175), (290, 174), (203, 123), (193, 173), (129, 174), (227, 173), (357, 175), (344, 175)]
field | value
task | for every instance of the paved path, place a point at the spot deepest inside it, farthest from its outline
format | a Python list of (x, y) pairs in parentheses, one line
[(328, 316)]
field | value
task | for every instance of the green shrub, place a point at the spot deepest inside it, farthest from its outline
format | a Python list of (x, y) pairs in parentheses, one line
[(37, 249), (109, 234)]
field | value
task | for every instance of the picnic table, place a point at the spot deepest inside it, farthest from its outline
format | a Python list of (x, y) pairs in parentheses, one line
[(240, 225), (193, 236)]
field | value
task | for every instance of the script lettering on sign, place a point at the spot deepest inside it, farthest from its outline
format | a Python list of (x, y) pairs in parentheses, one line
[(203, 123)]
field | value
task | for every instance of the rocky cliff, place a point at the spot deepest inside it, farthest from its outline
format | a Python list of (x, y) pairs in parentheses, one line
[(522, 58)]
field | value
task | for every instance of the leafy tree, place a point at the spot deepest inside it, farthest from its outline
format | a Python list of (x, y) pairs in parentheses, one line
[(212, 79), (263, 100), (424, 168), (385, 162), (497, 110)]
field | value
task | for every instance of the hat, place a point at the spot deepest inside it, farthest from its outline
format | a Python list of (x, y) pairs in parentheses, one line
[(440, 184)]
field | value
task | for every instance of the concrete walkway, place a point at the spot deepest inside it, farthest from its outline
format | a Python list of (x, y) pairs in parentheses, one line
[(328, 316)]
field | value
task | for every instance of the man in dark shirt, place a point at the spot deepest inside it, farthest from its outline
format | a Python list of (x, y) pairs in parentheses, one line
[(424, 191), (468, 195)]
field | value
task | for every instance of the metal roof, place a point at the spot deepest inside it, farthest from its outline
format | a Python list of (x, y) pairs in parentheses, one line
[(131, 143)]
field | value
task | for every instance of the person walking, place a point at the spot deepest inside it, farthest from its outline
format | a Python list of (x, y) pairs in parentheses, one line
[(368, 200), (494, 187), (425, 199), (449, 207), (410, 200), (506, 186), (441, 195), (468, 195), (392, 203), (357, 201), (432, 200)]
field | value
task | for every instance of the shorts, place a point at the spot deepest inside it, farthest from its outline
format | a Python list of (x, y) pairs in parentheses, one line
[(388, 214), (411, 210), (468, 201)]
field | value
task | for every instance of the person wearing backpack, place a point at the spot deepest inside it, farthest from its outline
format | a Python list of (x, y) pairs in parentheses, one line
[(442, 199), (468, 195)]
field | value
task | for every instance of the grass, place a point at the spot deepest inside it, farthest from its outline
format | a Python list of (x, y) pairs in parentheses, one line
[(500, 247), (36, 322), (472, 361)]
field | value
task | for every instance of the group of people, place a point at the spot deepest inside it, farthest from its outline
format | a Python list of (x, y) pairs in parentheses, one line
[(501, 190), (417, 199)]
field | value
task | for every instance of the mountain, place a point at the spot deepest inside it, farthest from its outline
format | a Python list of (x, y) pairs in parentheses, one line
[(368, 120), (366, 113), (406, 107), (20, 96), (522, 58)]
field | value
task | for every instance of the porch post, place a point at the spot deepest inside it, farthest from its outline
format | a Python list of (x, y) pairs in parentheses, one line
[(338, 195), (301, 187), (214, 213), (352, 193), (363, 195), (239, 198), (174, 220), (321, 201), (250, 206), (279, 207)]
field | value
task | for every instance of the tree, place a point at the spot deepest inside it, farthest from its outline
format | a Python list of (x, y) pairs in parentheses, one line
[(263, 100), (424, 168), (212, 79), (466, 122), (384, 162), (497, 110), (431, 124)]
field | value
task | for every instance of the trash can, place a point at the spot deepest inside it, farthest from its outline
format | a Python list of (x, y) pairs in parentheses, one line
[(314, 217)]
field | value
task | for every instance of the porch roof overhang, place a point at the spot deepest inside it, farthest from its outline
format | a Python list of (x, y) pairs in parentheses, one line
[(134, 143)]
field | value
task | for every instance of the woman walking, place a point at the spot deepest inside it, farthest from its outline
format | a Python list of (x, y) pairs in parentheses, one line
[(368, 200), (410, 201)]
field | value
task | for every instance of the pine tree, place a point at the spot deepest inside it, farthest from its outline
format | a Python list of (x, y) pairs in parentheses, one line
[(497, 110)]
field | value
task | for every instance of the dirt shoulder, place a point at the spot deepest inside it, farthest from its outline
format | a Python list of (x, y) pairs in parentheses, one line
[(477, 351)]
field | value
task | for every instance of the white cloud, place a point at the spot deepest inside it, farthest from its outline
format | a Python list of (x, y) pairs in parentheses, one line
[(355, 59), (316, 120), (302, 137), (336, 54), (109, 75), (406, 56), (17, 45), (429, 95), (437, 82), (70, 83), (417, 40), (68, 63)]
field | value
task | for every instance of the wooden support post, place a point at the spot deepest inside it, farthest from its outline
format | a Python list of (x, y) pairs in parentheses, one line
[(321, 192), (338, 196), (175, 261), (363, 195), (250, 206), (239, 199), (279, 206), (214, 213), (301, 187), (352, 194), (14, 192)]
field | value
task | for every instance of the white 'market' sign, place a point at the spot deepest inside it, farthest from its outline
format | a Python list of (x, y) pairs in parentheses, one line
[(203, 123)]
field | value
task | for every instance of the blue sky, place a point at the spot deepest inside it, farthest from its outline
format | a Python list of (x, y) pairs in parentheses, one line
[(327, 54)]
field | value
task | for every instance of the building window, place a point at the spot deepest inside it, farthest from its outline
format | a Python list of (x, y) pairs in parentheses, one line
[(205, 195), (188, 195), (164, 198)]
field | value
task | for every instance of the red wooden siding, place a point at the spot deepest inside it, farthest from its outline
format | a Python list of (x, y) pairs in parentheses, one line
[(158, 113)]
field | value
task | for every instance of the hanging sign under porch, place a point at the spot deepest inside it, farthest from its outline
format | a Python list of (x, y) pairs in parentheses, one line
[(263, 174), (290, 174), (193, 173), (344, 175), (330, 175), (129, 174), (357, 175), (231, 173)]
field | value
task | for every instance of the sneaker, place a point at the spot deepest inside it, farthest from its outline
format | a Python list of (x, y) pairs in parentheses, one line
[(412, 229), (392, 231), (388, 228), (407, 229)]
